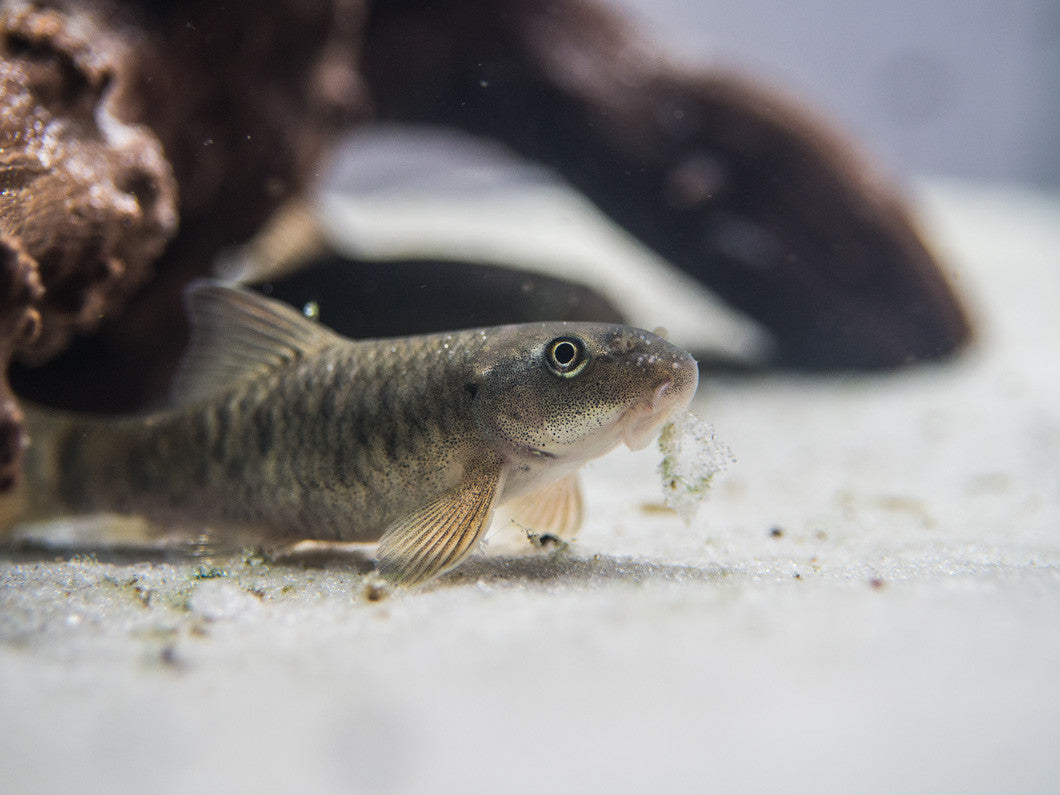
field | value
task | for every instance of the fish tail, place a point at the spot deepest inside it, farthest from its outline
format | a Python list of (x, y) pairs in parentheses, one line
[(13, 508)]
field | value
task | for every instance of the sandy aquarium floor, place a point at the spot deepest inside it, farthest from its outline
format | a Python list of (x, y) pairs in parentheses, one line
[(868, 602)]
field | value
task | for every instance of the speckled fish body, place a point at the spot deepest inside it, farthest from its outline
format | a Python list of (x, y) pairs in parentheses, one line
[(280, 425)]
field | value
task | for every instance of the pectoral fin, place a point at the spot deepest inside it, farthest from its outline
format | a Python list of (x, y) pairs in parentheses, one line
[(554, 509), (439, 535)]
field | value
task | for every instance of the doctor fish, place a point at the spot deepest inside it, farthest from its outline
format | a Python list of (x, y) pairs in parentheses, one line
[(280, 426)]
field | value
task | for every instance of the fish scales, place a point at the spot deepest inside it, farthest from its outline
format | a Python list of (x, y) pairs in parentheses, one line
[(284, 427), (324, 450)]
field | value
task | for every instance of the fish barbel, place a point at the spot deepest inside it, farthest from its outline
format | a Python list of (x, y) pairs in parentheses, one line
[(279, 425)]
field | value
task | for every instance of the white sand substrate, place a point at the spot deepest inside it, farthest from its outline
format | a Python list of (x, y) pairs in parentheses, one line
[(869, 602)]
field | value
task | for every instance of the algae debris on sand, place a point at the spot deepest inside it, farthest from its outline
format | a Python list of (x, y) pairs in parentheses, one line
[(692, 456)]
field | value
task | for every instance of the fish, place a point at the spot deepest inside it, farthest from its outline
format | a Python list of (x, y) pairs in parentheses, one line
[(279, 425)]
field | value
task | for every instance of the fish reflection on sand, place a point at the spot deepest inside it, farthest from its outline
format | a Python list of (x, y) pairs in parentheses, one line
[(283, 427)]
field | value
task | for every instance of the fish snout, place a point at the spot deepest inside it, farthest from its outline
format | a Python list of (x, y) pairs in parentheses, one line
[(643, 420)]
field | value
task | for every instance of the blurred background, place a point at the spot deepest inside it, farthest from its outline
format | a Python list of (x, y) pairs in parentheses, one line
[(952, 88)]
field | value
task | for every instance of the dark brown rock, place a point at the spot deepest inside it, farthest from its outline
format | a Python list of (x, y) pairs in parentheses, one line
[(242, 98), (734, 184), (88, 199), (20, 323)]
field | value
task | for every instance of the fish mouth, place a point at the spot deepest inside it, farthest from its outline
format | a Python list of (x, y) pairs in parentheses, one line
[(642, 421)]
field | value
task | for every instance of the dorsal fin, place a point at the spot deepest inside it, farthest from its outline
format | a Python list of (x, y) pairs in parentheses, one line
[(237, 334)]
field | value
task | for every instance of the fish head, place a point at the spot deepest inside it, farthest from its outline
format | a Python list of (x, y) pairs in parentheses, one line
[(574, 391)]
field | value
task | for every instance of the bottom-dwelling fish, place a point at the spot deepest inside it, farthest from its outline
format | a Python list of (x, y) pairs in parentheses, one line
[(279, 425)]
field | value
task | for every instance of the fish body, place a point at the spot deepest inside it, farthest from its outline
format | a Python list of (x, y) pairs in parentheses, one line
[(279, 425)]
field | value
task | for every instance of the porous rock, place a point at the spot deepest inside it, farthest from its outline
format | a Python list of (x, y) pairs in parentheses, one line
[(106, 107)]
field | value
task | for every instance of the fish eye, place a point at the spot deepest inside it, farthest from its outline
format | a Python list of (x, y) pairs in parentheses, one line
[(565, 356)]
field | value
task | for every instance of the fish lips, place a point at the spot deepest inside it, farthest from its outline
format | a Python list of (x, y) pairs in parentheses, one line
[(642, 421)]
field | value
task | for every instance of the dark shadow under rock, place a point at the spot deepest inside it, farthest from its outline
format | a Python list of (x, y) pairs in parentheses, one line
[(385, 299)]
